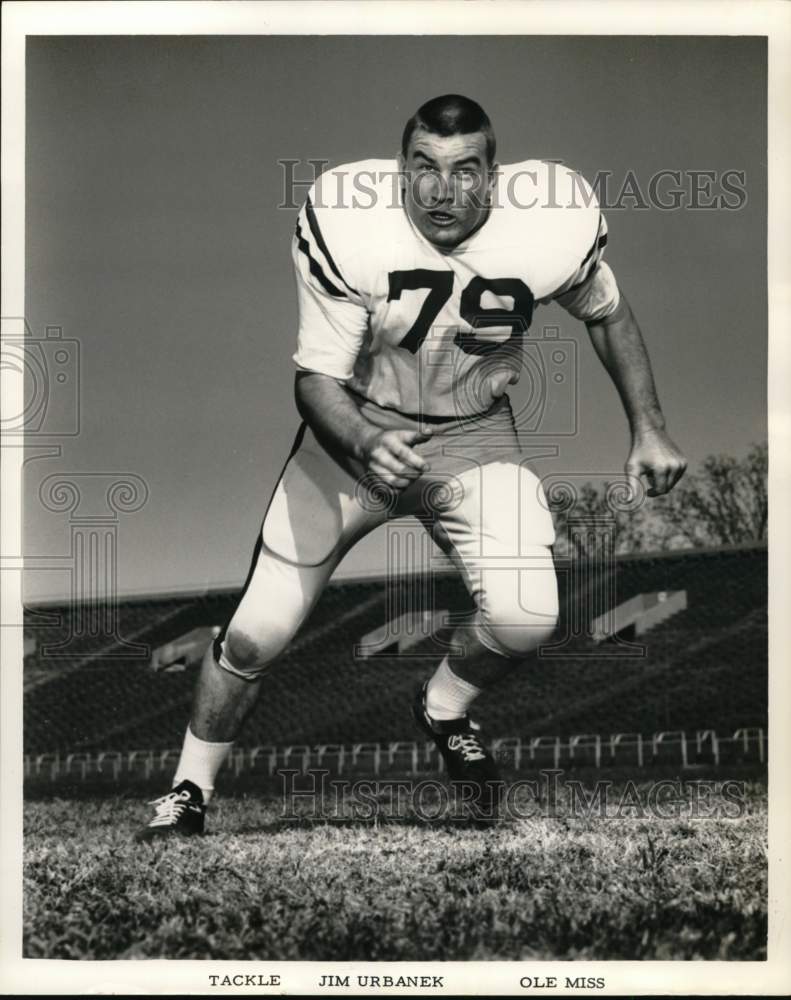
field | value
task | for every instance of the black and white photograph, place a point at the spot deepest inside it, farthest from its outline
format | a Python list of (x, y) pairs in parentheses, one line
[(391, 398)]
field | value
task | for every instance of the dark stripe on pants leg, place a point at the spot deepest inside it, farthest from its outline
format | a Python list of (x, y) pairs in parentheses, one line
[(217, 647)]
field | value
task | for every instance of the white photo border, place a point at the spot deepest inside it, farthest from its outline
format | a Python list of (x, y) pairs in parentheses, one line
[(496, 17)]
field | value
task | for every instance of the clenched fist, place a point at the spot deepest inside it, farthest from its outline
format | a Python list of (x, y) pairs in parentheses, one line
[(390, 457), (656, 457)]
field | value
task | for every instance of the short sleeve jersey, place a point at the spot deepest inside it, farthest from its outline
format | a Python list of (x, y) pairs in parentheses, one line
[(409, 326)]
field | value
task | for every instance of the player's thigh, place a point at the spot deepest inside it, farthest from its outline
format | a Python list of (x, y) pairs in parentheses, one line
[(277, 599), (497, 527), (319, 509), (316, 514)]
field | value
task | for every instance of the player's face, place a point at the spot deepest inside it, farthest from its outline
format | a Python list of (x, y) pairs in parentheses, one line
[(447, 186)]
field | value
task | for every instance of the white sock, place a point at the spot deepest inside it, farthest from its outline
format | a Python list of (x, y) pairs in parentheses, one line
[(200, 761), (448, 696)]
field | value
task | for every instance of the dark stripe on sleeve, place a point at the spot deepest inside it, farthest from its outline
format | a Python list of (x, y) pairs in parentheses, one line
[(598, 243), (315, 268), (313, 222)]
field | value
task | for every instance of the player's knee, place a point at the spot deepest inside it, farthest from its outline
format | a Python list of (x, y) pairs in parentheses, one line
[(513, 629), (249, 655), (518, 638)]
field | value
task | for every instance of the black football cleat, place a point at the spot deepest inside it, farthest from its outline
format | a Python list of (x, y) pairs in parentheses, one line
[(181, 811), (469, 764)]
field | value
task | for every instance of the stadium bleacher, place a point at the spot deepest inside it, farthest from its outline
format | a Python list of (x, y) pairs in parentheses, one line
[(704, 668)]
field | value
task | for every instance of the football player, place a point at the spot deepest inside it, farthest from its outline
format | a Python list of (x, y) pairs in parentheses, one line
[(417, 280)]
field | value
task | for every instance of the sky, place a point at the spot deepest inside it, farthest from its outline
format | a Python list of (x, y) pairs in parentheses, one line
[(155, 241)]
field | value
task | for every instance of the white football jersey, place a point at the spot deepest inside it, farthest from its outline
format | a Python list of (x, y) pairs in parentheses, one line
[(408, 326)]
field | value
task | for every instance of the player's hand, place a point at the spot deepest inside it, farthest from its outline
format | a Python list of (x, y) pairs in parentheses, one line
[(390, 456), (655, 457)]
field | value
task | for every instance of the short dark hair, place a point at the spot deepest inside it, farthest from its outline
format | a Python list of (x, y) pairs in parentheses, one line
[(451, 114)]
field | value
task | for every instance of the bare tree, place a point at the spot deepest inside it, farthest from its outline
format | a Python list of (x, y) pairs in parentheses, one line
[(725, 503)]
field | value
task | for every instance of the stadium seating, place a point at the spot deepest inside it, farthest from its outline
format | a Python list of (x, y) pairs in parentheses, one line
[(704, 668)]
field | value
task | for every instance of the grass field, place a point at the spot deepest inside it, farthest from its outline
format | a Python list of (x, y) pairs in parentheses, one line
[(254, 888)]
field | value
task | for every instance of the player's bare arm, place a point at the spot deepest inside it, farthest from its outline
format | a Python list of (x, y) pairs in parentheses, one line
[(620, 346), (327, 408)]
